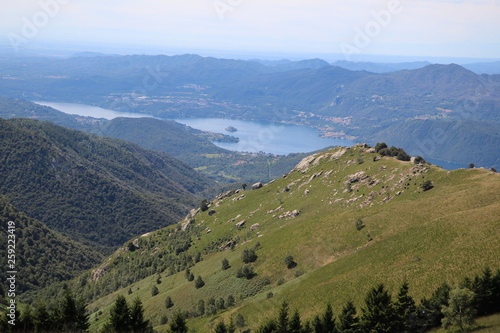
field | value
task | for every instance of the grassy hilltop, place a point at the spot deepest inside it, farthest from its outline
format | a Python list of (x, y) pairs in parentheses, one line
[(350, 219)]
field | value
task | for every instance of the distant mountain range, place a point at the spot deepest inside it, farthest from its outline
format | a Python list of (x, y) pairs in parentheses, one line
[(339, 102)]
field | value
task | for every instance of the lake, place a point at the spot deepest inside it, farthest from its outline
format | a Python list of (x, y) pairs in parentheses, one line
[(254, 136)]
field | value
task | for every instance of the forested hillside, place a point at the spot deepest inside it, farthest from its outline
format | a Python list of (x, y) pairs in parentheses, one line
[(43, 255), (97, 190)]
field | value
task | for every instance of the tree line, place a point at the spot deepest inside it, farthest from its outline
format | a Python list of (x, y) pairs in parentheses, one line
[(448, 306)]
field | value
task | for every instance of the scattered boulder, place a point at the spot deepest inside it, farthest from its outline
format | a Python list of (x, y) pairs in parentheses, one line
[(238, 198), (225, 195), (256, 186), (358, 176), (211, 212), (228, 245), (290, 214), (254, 226), (241, 224), (98, 273)]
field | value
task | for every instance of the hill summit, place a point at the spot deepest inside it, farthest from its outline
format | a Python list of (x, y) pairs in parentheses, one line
[(339, 223)]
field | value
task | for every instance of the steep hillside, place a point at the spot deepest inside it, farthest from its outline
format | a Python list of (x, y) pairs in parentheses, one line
[(98, 190), (348, 217), (43, 256)]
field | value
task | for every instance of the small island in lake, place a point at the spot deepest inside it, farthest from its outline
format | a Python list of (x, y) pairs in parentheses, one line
[(231, 129)]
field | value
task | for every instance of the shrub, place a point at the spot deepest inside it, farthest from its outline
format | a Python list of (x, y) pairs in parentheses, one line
[(204, 205), (168, 302), (427, 185), (379, 146), (359, 224), (248, 256), (419, 160), (289, 262), (245, 272), (225, 264), (199, 283)]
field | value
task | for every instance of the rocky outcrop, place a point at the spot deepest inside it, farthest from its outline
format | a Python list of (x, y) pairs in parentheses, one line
[(256, 186), (291, 214)]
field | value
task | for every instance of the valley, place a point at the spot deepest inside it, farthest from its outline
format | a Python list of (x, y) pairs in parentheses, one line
[(204, 226)]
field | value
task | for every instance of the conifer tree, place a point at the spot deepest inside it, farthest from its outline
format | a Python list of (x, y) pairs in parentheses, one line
[(178, 324), (295, 323), (405, 310), (220, 327), (137, 322), (378, 315), (348, 321), (282, 321), (328, 320), (120, 315)]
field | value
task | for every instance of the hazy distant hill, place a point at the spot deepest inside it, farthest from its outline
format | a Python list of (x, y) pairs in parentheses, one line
[(484, 67), (461, 141), (375, 67), (44, 256), (335, 100), (98, 190)]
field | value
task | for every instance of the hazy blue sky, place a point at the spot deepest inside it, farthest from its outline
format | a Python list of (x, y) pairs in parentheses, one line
[(467, 28)]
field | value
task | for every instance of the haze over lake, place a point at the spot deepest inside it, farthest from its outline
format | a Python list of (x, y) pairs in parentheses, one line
[(255, 136)]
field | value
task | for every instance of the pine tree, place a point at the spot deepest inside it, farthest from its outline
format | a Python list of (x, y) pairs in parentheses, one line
[(348, 321), (220, 327), (295, 323), (405, 310), (120, 315), (379, 312), (27, 321), (282, 321), (82, 316), (178, 324), (137, 322), (432, 307), (328, 320), (41, 318)]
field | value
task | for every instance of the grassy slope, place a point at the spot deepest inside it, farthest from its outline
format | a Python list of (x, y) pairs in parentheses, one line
[(443, 234)]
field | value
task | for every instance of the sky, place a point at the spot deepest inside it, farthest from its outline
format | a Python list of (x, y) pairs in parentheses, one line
[(346, 28)]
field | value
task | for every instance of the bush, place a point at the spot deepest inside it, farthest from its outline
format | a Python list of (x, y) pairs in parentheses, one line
[(245, 272), (359, 224), (248, 256), (419, 160), (199, 283), (225, 264), (427, 185), (289, 262), (168, 302), (204, 205), (379, 146)]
